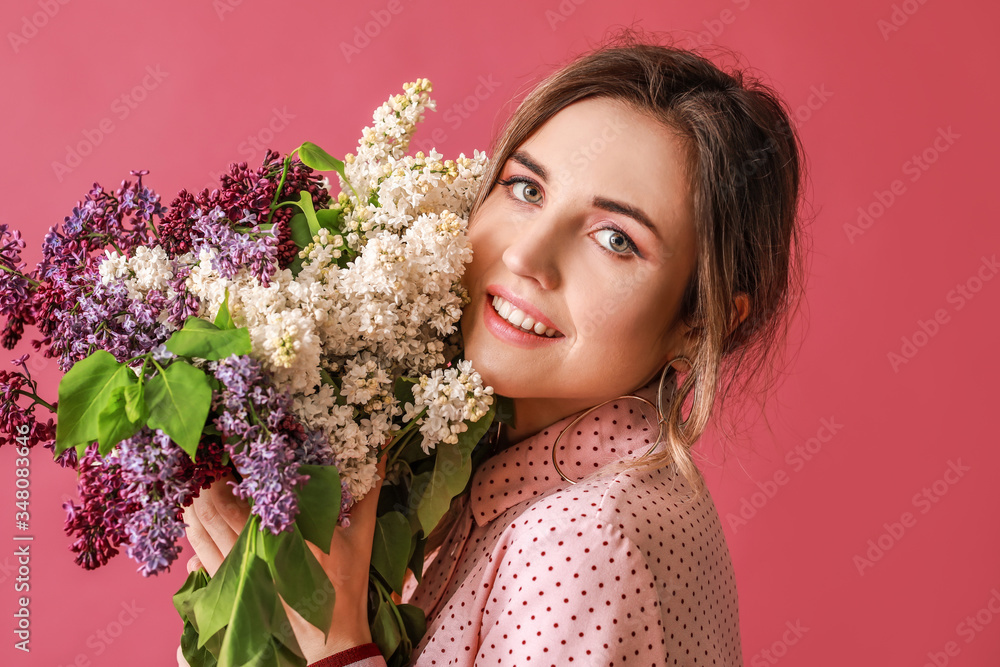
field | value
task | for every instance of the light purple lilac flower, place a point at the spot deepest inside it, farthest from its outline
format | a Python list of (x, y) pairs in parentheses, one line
[(270, 442), (257, 253)]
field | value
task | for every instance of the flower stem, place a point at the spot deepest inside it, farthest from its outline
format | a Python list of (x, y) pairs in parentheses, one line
[(152, 227), (18, 273), (37, 399), (281, 183)]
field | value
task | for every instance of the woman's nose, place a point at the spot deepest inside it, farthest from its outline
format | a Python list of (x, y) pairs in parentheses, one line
[(535, 249)]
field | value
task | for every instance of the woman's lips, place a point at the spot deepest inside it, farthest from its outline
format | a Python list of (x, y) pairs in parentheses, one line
[(509, 333), (523, 305)]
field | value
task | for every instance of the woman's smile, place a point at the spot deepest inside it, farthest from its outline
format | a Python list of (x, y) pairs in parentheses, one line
[(514, 325)]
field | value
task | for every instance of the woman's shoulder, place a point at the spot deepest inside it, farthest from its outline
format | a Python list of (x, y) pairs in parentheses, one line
[(645, 533), (649, 506)]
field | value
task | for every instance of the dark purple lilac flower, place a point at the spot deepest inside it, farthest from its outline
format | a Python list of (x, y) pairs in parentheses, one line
[(148, 480), (97, 521), (245, 196), (18, 424)]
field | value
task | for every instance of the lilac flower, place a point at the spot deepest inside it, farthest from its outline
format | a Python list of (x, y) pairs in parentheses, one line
[(19, 424), (258, 253), (107, 319), (153, 533), (270, 443), (160, 478), (184, 304), (270, 475), (15, 288), (97, 521)]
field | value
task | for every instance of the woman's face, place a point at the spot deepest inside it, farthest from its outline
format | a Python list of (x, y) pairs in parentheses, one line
[(587, 238)]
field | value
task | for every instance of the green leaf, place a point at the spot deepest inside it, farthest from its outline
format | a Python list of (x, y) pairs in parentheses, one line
[(330, 218), (391, 548), (300, 580), (179, 399), (385, 630), (248, 632), (414, 621), (316, 158), (299, 227), (403, 389), (504, 409), (135, 403), (194, 655), (319, 504), (203, 340), (416, 563), (113, 424), (468, 439), (182, 598), (223, 319), (83, 393), (213, 606), (451, 473), (306, 204), (412, 451)]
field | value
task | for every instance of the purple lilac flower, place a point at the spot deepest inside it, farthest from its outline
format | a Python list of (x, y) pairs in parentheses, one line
[(97, 522), (153, 533), (14, 286), (245, 195), (157, 479), (107, 319), (258, 253), (18, 424), (270, 443), (70, 257)]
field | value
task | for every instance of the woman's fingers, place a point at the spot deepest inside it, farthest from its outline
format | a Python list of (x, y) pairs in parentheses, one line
[(202, 542), (193, 564), (224, 505), (362, 529), (215, 520)]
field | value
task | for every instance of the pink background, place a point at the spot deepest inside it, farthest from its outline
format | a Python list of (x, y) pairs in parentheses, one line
[(866, 103)]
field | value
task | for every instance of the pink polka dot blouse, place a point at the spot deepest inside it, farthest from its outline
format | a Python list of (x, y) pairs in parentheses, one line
[(621, 570)]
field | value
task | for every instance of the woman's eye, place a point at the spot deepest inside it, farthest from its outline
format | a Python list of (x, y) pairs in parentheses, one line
[(528, 192), (615, 241)]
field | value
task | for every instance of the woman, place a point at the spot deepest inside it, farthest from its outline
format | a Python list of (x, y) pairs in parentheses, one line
[(640, 225)]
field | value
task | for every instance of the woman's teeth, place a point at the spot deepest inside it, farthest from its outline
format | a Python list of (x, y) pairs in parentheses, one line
[(517, 317)]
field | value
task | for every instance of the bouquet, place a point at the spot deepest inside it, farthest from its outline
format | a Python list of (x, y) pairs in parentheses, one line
[(271, 329)]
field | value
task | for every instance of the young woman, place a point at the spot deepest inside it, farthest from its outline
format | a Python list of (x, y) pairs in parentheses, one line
[(639, 226)]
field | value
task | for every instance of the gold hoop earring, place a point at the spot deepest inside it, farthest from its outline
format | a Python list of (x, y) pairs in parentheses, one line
[(660, 419)]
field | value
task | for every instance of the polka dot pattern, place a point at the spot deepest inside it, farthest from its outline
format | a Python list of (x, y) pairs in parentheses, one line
[(620, 570)]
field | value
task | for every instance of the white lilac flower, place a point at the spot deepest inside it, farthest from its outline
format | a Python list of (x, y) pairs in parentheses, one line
[(451, 396), (391, 311)]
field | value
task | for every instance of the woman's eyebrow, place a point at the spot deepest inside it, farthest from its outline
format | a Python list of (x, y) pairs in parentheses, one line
[(612, 206), (529, 163)]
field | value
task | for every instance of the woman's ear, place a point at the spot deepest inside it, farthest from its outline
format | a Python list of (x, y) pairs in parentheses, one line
[(741, 304)]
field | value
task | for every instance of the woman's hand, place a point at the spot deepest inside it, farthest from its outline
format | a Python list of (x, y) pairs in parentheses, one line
[(215, 520)]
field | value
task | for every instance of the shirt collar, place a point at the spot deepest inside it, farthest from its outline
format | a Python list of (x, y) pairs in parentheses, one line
[(625, 427)]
